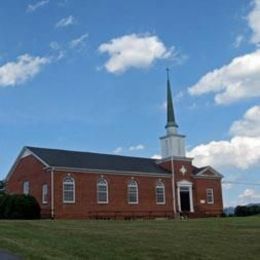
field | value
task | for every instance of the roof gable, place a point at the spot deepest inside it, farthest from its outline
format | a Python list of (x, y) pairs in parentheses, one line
[(206, 172), (25, 152)]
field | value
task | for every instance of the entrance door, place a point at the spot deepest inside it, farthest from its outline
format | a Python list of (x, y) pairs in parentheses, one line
[(185, 198)]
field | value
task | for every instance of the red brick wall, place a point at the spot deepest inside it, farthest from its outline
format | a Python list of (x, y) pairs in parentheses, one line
[(86, 197), (199, 189), (30, 169), (201, 194)]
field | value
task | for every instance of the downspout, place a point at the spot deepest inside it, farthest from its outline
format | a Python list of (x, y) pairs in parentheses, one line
[(173, 188), (52, 193)]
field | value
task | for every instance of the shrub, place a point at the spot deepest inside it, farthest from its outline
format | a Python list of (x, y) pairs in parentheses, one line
[(3, 198), (19, 206)]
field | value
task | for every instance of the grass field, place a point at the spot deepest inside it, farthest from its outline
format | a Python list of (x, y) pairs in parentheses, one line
[(222, 238)]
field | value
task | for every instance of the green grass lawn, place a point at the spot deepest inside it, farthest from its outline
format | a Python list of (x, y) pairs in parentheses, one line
[(215, 238)]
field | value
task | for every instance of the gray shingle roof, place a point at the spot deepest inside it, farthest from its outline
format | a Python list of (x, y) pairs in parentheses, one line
[(87, 160)]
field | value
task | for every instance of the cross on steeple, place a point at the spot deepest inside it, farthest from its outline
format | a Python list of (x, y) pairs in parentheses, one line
[(170, 110)]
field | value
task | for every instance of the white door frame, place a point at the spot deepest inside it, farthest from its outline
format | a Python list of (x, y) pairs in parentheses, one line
[(186, 184)]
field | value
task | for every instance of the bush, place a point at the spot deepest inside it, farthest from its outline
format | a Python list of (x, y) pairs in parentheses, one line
[(3, 198), (19, 206)]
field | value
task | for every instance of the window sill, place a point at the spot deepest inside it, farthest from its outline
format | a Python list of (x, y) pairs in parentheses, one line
[(69, 202)]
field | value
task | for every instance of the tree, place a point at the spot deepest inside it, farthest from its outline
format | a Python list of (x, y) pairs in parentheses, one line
[(248, 210)]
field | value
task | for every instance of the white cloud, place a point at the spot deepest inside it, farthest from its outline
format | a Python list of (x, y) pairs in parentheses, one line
[(254, 22), (63, 3), (238, 80), (118, 150), (241, 151), (79, 42), (227, 186), (136, 147), (249, 196), (25, 68), (133, 51), (64, 22), (34, 7), (58, 51), (55, 45), (130, 148), (163, 106), (249, 125), (156, 156), (238, 41), (177, 98)]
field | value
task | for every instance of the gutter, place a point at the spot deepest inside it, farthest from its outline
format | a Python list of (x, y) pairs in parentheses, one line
[(113, 172), (173, 188), (52, 193)]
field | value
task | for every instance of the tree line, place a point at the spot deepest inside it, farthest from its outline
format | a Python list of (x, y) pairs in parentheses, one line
[(248, 210)]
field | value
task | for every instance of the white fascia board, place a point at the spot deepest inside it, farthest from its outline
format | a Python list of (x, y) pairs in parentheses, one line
[(24, 153), (209, 168), (111, 172)]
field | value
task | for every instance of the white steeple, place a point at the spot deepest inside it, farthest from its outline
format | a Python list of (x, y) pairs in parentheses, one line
[(172, 144)]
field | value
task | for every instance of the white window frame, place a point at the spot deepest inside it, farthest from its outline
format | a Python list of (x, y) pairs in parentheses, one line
[(132, 183), (44, 194), (69, 180), (210, 193), (160, 184), (26, 187), (105, 183)]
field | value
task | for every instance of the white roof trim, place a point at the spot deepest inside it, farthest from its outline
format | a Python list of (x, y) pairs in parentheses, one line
[(24, 153), (112, 172), (209, 168)]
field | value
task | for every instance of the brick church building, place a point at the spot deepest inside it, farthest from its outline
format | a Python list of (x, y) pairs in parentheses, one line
[(79, 185)]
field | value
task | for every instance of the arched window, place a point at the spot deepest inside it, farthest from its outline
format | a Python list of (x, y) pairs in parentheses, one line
[(132, 192), (68, 190), (26, 187), (160, 193), (102, 191)]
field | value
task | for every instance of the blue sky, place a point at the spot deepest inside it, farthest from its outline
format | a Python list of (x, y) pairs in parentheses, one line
[(91, 76)]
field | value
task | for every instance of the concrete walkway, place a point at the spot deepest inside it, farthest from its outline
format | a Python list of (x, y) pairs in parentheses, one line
[(4, 255)]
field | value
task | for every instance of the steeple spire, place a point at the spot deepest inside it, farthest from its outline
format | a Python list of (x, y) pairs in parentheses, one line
[(172, 144), (170, 110)]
